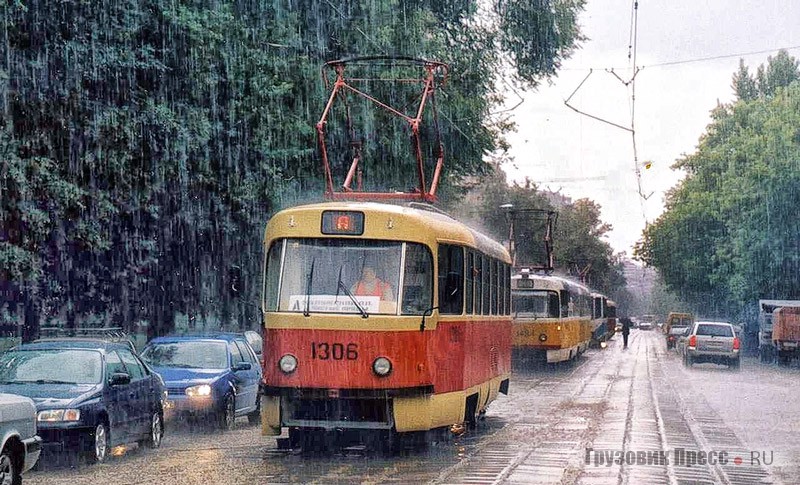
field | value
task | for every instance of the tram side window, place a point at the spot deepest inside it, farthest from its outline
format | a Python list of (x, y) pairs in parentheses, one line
[(487, 282), (478, 275), (495, 285), (418, 280), (598, 307), (470, 282), (503, 285), (451, 279), (506, 290), (553, 305), (272, 272)]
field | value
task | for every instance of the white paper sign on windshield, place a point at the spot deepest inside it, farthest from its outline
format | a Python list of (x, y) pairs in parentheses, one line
[(333, 303)]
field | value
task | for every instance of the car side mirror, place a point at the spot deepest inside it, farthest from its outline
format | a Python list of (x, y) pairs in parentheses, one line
[(242, 366), (119, 379)]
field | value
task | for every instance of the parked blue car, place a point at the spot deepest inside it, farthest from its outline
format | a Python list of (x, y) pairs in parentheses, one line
[(90, 395), (208, 376)]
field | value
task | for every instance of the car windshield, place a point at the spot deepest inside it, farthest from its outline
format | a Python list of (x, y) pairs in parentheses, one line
[(715, 330), (56, 366), (188, 354), (349, 276)]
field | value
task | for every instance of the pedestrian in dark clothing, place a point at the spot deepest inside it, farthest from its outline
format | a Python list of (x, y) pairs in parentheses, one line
[(626, 330)]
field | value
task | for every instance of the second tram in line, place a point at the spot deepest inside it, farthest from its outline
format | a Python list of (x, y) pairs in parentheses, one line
[(552, 317)]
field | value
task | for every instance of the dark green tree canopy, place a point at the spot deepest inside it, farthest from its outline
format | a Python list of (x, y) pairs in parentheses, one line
[(579, 248), (730, 234), (145, 143)]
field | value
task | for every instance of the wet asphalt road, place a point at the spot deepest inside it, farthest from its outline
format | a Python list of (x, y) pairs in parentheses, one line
[(635, 401)]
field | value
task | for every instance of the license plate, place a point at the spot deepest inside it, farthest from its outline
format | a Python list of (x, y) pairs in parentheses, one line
[(169, 404)]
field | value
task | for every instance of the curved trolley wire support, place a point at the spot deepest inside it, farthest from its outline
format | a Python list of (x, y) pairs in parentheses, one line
[(550, 217), (434, 75)]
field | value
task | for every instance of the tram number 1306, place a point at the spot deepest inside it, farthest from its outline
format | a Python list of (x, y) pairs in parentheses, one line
[(334, 351)]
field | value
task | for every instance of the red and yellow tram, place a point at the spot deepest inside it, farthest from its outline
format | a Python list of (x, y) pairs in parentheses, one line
[(381, 317), (552, 317)]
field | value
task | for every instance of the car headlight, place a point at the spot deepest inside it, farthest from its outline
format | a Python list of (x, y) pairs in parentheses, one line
[(203, 390), (56, 415), (288, 363), (382, 366), (543, 337)]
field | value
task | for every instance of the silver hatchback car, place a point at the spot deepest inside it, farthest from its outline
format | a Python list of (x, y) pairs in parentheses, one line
[(712, 342)]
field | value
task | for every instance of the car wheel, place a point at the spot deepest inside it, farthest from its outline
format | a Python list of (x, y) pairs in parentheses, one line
[(10, 474), (156, 431), (99, 450), (227, 415), (255, 416)]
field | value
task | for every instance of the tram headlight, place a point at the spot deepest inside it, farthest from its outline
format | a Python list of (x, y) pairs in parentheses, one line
[(288, 363), (382, 366), (543, 337)]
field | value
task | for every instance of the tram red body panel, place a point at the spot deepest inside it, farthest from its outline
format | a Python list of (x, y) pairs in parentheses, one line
[(419, 358)]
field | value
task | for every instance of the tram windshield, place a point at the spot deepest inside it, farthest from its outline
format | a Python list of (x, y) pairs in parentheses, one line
[(535, 304), (349, 276)]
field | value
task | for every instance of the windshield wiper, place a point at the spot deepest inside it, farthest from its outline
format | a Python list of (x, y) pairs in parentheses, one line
[(46, 381), (307, 311), (341, 286)]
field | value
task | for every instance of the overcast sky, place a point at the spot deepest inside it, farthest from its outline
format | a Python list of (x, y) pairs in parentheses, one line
[(554, 145)]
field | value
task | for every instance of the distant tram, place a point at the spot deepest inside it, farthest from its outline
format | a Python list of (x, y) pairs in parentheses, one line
[(380, 319), (604, 321), (611, 317), (552, 317)]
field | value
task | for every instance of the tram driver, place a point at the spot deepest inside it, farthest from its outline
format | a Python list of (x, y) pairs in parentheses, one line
[(371, 285)]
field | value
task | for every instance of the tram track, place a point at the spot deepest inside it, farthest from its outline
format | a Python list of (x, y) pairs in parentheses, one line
[(709, 432), (663, 417), (507, 452)]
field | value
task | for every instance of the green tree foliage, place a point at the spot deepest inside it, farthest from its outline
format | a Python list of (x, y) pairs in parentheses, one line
[(537, 35), (579, 249), (743, 84), (144, 143), (729, 235), (779, 71)]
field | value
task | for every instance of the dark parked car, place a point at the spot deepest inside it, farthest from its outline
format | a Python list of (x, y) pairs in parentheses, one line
[(216, 376), (90, 395)]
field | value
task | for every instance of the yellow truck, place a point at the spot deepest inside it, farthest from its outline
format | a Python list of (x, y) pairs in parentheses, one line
[(676, 326)]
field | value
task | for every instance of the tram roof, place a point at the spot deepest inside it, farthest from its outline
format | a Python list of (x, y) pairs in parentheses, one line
[(442, 226), (552, 282)]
